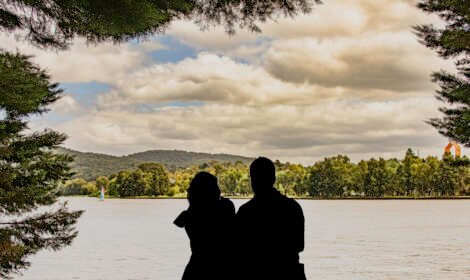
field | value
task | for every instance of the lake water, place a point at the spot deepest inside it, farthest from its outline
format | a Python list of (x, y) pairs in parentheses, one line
[(345, 239)]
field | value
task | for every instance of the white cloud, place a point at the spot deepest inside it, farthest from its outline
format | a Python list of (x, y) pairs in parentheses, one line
[(385, 61), (299, 134), (210, 78), (66, 105), (84, 63)]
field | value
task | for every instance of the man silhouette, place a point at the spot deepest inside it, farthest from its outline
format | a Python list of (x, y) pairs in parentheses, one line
[(271, 229)]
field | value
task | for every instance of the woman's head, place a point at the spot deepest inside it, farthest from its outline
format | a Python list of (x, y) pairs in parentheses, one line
[(203, 189)]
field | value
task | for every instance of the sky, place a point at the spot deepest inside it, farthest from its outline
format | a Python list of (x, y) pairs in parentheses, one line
[(350, 78)]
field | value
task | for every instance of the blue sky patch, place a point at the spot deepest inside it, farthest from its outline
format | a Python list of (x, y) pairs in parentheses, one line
[(178, 104), (176, 51), (85, 92)]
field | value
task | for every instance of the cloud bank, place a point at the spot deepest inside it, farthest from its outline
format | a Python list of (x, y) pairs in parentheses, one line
[(350, 79)]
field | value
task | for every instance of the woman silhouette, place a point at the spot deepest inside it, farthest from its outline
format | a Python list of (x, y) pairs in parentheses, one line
[(208, 222)]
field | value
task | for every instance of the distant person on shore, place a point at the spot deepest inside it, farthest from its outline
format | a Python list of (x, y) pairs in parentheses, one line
[(209, 224), (271, 230), (102, 192)]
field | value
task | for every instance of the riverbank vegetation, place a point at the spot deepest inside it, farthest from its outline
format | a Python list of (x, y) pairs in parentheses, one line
[(333, 177)]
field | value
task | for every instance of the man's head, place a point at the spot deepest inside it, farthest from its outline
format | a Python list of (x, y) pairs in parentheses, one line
[(263, 175)]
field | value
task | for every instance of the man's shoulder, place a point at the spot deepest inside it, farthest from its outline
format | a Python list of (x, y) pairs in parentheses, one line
[(246, 207), (281, 199), (290, 203)]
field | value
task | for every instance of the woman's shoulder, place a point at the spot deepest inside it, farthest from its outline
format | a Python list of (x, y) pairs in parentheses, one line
[(227, 204), (225, 201)]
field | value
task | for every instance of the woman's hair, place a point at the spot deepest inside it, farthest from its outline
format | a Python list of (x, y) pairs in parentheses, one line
[(203, 188)]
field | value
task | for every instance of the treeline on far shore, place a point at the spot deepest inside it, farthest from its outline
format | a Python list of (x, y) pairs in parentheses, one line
[(333, 177)]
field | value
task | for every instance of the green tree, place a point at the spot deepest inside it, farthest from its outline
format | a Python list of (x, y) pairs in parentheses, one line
[(181, 179), (423, 172), (157, 179), (283, 182), (463, 179), (92, 189), (172, 191), (121, 179), (360, 178), (445, 179), (406, 175), (102, 182), (75, 187), (131, 183), (229, 180), (112, 187), (301, 185), (434, 164), (461, 166), (318, 179), (377, 178), (393, 186), (30, 171), (330, 177), (452, 41), (244, 184), (291, 179)]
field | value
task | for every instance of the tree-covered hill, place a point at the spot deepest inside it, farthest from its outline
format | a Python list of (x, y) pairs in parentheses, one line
[(174, 159), (91, 165)]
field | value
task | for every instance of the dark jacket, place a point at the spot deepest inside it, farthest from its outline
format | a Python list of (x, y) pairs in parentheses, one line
[(271, 232), (209, 228)]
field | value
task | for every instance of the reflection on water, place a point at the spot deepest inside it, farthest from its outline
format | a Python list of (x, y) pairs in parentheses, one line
[(392, 239)]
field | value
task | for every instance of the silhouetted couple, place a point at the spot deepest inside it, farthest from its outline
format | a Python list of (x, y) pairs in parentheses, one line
[(262, 241)]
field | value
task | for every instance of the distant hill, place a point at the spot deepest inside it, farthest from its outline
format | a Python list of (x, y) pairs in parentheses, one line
[(91, 165)]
